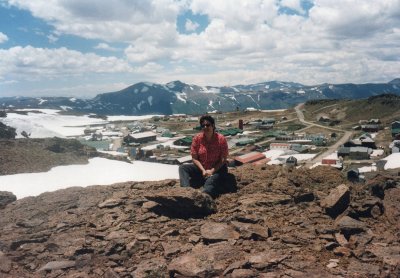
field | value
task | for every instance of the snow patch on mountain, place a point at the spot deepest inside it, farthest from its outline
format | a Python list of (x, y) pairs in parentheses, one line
[(211, 90), (181, 96), (253, 100), (41, 101), (144, 89), (150, 100), (139, 105), (210, 103)]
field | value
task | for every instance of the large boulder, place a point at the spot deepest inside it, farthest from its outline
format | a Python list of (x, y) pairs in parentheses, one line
[(181, 202), (337, 201), (6, 198)]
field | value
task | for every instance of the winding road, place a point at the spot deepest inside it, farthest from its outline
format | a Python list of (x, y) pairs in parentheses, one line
[(346, 136)]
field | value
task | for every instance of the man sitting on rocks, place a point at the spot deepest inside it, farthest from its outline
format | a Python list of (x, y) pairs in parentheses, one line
[(209, 169)]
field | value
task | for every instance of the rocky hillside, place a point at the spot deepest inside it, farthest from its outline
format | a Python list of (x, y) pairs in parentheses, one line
[(280, 223), (39, 155)]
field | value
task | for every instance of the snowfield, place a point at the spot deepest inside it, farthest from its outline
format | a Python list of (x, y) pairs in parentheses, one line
[(99, 171)]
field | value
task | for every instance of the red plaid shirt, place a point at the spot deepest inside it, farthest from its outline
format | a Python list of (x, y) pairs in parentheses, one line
[(209, 153)]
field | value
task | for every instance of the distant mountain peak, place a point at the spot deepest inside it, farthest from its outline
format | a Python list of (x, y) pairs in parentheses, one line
[(395, 81)]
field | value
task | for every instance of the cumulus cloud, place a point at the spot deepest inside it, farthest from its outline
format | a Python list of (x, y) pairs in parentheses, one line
[(41, 63), (244, 41), (106, 46), (3, 37)]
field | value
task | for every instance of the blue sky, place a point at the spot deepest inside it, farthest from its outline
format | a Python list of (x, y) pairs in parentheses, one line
[(86, 47)]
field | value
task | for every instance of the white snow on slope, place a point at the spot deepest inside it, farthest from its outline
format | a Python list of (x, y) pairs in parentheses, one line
[(99, 171), (48, 123)]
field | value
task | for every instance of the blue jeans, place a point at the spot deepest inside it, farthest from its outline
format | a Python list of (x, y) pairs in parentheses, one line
[(214, 185)]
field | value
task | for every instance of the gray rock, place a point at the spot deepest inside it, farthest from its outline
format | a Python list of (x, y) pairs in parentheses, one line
[(350, 225), (266, 259), (54, 265), (6, 198), (110, 203), (337, 201), (213, 232), (252, 231), (264, 199), (205, 261)]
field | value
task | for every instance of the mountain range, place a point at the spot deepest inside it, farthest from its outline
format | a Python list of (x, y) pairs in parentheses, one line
[(178, 97)]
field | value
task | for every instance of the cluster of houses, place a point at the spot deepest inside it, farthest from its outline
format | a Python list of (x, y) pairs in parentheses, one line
[(144, 140), (141, 140)]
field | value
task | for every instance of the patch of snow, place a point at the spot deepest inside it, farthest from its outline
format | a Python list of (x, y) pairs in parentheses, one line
[(181, 96), (211, 90), (232, 97), (139, 105), (136, 91), (72, 99), (393, 161), (274, 110), (366, 169), (273, 154), (150, 100), (330, 87), (302, 92), (253, 100), (130, 118), (300, 156), (210, 103), (376, 153), (41, 101), (250, 109), (267, 87), (65, 108), (144, 89), (150, 84), (49, 124), (99, 171)]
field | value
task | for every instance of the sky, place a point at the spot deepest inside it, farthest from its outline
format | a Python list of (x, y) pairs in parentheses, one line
[(82, 48)]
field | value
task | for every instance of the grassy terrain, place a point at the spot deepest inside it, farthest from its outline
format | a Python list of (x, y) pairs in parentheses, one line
[(349, 112)]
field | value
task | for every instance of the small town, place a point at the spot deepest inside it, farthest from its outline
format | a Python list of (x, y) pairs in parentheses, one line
[(255, 137)]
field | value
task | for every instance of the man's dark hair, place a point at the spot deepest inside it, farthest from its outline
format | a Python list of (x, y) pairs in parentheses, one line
[(207, 118)]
